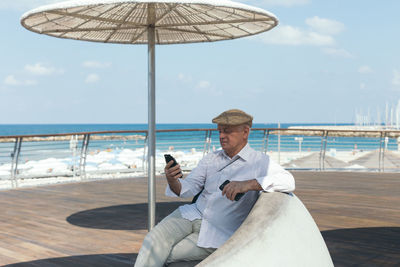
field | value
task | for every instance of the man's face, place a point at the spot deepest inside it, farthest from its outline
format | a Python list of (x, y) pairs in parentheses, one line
[(233, 138)]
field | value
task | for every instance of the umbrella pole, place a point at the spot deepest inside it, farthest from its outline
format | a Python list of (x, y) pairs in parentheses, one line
[(152, 125)]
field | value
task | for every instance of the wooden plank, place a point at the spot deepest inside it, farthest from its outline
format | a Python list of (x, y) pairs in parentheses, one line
[(358, 214), (103, 223)]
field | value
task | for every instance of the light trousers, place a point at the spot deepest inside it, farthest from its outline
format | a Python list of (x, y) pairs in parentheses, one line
[(173, 239)]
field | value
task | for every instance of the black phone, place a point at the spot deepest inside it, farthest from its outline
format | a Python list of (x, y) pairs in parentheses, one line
[(238, 195), (168, 158), (221, 187)]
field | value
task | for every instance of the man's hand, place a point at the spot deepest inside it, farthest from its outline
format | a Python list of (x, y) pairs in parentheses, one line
[(172, 174), (235, 187)]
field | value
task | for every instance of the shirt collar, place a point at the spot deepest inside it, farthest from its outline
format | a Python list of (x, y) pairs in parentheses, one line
[(243, 154)]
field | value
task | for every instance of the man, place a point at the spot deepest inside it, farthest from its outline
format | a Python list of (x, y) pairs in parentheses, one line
[(194, 231)]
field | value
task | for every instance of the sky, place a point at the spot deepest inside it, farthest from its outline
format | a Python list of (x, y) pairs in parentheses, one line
[(324, 61)]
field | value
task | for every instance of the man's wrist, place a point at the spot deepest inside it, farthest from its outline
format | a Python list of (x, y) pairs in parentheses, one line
[(173, 181), (175, 186), (253, 185)]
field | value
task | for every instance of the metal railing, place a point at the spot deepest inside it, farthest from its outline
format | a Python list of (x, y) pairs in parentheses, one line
[(92, 154)]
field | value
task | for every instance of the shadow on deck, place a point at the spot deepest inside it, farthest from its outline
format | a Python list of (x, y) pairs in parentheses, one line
[(99, 260), (121, 217), (375, 246)]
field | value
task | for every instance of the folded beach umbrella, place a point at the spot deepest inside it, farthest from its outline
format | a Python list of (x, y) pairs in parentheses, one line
[(149, 22)]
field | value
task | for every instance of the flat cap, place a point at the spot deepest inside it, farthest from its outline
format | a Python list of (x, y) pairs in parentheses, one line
[(233, 117)]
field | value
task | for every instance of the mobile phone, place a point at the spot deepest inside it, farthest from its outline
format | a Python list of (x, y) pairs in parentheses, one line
[(238, 195), (221, 187), (168, 158)]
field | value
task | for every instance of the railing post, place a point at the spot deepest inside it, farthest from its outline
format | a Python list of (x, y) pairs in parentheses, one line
[(207, 142), (279, 143), (73, 146), (383, 151), (266, 142), (82, 161), (322, 151), (14, 162), (144, 161), (13, 155), (380, 153)]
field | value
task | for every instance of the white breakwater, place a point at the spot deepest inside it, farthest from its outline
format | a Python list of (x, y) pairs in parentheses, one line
[(105, 164), (122, 163)]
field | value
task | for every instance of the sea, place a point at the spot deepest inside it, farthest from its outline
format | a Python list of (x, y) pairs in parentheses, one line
[(165, 139), (182, 140), (33, 129)]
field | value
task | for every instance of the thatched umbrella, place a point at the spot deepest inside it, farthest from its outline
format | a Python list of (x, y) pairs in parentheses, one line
[(149, 22)]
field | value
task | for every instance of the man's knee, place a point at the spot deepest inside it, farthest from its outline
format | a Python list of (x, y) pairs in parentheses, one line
[(159, 242), (187, 250)]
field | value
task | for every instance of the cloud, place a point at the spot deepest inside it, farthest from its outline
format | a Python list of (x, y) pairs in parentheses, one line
[(96, 64), (320, 33), (325, 26), (362, 85), (24, 4), (365, 69), (288, 35), (396, 77), (205, 87), (337, 52), (41, 69), (92, 78), (286, 3), (203, 84), (184, 78), (12, 81), (29, 82)]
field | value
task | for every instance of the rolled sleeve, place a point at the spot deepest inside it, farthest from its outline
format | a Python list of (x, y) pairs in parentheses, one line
[(169, 192), (185, 190), (277, 179)]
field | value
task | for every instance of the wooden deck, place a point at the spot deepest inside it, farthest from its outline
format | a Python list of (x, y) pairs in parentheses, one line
[(103, 223)]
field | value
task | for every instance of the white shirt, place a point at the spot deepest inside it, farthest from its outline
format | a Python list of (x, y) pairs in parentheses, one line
[(220, 216)]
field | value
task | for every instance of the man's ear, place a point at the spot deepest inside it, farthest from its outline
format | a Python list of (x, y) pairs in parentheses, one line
[(246, 130)]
